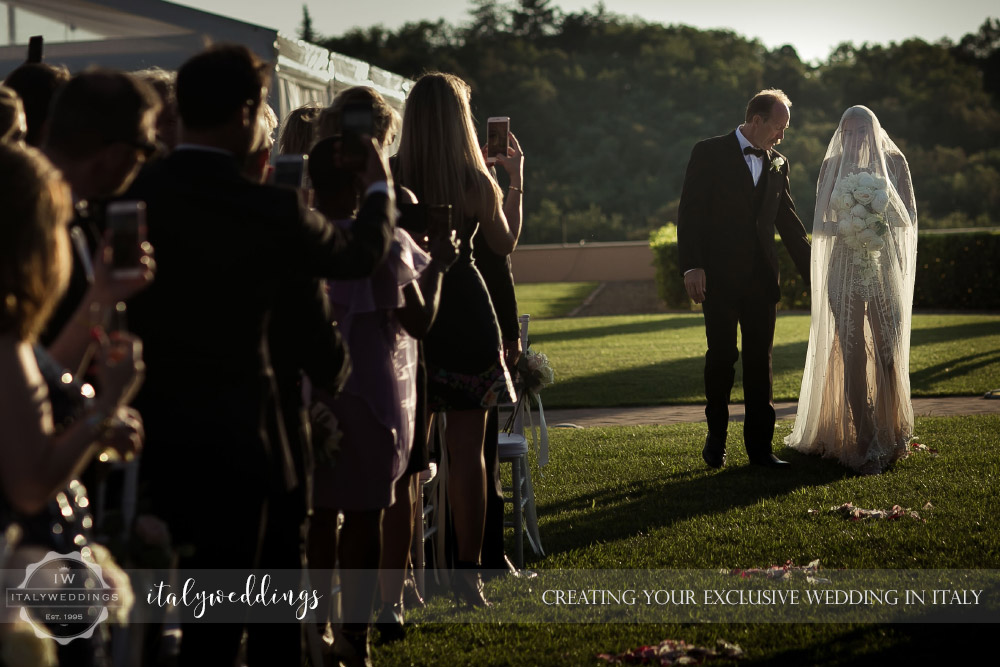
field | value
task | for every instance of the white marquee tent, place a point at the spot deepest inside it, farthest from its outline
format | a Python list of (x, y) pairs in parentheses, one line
[(137, 34)]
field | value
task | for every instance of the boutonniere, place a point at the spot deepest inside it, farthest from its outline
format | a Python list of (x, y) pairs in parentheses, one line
[(777, 163)]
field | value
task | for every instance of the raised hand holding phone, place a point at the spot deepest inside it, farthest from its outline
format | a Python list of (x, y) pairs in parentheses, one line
[(513, 161), (125, 264), (497, 132)]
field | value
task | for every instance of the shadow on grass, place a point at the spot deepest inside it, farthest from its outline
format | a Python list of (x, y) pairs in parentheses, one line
[(935, 635), (952, 332), (953, 368), (663, 323), (666, 382), (640, 506)]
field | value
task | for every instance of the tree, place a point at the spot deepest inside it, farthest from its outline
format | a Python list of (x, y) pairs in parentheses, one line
[(489, 18), (534, 18), (306, 33)]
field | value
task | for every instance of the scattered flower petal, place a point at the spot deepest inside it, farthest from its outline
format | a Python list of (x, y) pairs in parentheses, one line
[(674, 652), (778, 572), (917, 447), (849, 511)]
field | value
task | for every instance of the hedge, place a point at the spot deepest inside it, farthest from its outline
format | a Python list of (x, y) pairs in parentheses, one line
[(955, 271)]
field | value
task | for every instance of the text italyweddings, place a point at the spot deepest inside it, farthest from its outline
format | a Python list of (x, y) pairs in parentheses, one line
[(736, 596), (201, 600), (58, 597)]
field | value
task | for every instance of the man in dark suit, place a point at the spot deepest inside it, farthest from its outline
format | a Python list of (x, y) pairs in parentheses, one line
[(215, 446), (735, 195)]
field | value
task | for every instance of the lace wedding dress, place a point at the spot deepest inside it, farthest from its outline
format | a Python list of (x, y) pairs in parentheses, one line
[(854, 404)]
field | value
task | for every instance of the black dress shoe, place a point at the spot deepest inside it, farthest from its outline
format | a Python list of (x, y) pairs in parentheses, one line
[(769, 461), (714, 452)]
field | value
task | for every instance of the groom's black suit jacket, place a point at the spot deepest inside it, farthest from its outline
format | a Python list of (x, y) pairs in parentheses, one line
[(719, 227), (725, 225), (224, 246)]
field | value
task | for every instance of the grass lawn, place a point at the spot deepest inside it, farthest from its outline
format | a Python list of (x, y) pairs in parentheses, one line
[(659, 359), (640, 497), (548, 300)]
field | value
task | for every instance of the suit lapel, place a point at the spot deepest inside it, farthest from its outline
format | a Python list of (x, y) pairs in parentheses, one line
[(739, 166), (768, 205)]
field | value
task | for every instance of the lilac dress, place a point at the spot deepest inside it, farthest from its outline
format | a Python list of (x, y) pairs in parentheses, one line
[(376, 410)]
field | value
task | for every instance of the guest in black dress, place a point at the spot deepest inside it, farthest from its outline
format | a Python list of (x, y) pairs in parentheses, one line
[(440, 160)]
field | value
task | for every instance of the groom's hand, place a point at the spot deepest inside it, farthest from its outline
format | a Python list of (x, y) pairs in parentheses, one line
[(694, 283)]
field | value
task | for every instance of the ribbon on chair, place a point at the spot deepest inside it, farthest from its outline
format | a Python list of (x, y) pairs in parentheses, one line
[(539, 434)]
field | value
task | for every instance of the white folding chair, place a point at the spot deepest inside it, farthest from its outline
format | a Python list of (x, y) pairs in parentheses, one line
[(430, 534), (512, 447)]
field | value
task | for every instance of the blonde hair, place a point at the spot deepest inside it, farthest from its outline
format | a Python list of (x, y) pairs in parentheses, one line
[(35, 257), (439, 154), (298, 132), (263, 136), (386, 120), (12, 117)]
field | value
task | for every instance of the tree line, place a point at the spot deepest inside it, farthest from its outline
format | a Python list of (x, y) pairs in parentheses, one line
[(608, 107)]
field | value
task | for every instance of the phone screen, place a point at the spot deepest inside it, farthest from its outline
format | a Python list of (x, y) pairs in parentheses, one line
[(290, 170), (35, 49), (439, 220), (356, 121), (496, 137), (127, 222)]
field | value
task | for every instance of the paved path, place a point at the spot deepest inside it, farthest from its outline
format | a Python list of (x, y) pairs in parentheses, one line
[(674, 414)]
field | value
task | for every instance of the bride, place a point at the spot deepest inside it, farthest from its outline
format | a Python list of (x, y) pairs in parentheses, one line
[(855, 399)]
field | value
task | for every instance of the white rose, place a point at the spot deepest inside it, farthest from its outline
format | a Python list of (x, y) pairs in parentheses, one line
[(859, 211), (880, 200), (846, 201), (863, 194), (858, 224), (866, 236), (876, 244), (844, 227), (866, 180), (880, 183)]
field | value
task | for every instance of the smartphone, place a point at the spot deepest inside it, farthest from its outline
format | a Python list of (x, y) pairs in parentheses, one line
[(497, 129), (35, 49), (439, 220), (413, 218), (127, 222), (356, 121), (291, 170)]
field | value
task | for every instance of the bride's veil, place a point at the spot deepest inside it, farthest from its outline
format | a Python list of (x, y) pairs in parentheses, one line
[(863, 261)]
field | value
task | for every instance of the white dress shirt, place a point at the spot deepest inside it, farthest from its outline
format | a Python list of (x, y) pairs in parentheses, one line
[(755, 163)]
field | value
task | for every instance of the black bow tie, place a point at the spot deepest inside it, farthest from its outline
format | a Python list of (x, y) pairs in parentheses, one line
[(750, 150)]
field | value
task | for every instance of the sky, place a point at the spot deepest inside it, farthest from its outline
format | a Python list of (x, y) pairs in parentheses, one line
[(813, 28)]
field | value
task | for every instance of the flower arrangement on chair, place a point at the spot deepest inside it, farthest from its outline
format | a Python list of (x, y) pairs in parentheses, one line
[(534, 373)]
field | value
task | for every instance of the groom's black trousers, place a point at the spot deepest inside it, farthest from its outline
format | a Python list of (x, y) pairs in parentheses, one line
[(754, 311)]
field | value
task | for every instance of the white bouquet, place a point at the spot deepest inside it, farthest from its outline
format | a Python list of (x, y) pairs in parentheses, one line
[(859, 201), (535, 371)]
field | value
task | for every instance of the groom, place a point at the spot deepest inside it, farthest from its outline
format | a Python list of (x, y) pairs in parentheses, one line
[(735, 194)]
